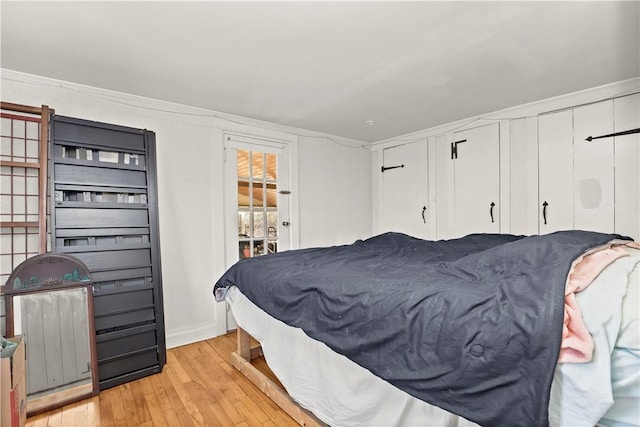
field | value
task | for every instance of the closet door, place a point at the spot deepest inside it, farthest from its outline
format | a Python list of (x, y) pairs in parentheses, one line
[(588, 184), (626, 116), (593, 167), (476, 170), (405, 204), (555, 171)]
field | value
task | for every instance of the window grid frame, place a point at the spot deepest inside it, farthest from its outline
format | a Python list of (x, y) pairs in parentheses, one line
[(17, 229)]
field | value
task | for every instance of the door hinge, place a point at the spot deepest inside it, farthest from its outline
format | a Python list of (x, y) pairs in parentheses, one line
[(454, 148), (386, 168), (625, 132)]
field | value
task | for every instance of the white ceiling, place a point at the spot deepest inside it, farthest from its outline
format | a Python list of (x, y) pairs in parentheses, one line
[(330, 66)]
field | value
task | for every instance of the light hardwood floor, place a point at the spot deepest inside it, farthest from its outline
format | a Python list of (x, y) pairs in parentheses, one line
[(198, 386)]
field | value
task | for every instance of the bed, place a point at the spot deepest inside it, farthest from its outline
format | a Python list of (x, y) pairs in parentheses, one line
[(394, 330)]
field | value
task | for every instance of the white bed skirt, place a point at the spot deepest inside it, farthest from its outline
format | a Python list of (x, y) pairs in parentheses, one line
[(337, 390)]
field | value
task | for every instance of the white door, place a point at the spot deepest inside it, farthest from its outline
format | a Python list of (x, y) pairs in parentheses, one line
[(476, 182), (555, 171), (626, 114), (405, 204), (257, 200), (593, 167), (584, 183)]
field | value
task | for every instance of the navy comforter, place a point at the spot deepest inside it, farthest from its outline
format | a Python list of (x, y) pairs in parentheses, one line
[(472, 325)]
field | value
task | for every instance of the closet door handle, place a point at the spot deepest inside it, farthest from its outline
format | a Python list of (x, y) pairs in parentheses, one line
[(424, 210), (491, 210), (544, 211)]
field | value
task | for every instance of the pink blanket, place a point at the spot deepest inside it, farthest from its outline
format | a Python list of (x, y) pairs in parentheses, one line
[(577, 344)]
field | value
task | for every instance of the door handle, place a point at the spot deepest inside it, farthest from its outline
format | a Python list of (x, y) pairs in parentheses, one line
[(544, 211), (424, 210), (491, 210)]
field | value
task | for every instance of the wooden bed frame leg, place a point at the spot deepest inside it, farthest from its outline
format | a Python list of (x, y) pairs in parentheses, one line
[(244, 344), (245, 350), (241, 360)]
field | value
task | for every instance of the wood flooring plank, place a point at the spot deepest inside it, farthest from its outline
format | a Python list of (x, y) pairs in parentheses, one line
[(251, 418), (81, 416), (188, 357), (276, 415), (146, 386), (93, 412), (222, 350), (106, 411), (138, 401), (184, 397), (55, 419), (176, 367), (248, 388), (69, 414), (181, 412), (166, 406), (39, 420), (197, 387), (209, 415), (157, 415), (229, 409), (129, 405), (120, 416), (222, 409)]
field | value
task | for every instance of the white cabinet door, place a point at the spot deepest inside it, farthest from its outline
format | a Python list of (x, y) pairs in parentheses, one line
[(590, 185), (405, 204), (555, 171), (476, 183), (443, 176), (593, 167), (626, 116)]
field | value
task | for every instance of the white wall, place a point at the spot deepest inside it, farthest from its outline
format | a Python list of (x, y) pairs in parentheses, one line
[(190, 159), (335, 190)]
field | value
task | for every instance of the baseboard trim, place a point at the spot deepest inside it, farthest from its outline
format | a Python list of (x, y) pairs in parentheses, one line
[(183, 336)]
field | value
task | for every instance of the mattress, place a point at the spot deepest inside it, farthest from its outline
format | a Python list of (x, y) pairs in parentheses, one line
[(340, 392)]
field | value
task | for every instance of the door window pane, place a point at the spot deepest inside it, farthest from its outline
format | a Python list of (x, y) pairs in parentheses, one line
[(257, 203), (272, 196), (243, 164), (244, 226), (258, 194), (258, 247), (258, 224), (272, 224), (257, 165), (271, 167)]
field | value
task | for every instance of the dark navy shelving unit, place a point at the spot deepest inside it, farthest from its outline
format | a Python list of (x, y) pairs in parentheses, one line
[(104, 211)]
